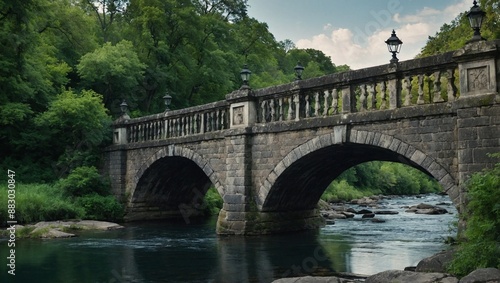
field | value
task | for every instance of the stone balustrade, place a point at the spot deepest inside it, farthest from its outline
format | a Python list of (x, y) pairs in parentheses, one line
[(429, 80), (178, 123), (420, 81)]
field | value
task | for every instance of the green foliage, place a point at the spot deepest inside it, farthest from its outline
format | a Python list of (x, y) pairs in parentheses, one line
[(74, 126), (455, 35), (481, 247), (114, 71), (44, 202), (66, 64), (99, 207), (83, 181), (39, 202), (372, 178), (343, 191), (212, 201)]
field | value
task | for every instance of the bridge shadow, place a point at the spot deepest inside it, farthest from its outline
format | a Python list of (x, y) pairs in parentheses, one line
[(172, 187)]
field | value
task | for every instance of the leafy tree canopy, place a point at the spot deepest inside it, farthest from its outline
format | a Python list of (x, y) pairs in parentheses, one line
[(455, 35)]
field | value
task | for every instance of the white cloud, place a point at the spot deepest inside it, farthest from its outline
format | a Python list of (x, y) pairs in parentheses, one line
[(420, 16), (365, 48)]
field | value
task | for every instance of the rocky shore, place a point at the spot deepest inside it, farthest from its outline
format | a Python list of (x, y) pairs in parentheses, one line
[(483, 275), (62, 229), (428, 270), (370, 208)]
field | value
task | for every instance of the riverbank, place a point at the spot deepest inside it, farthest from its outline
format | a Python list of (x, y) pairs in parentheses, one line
[(482, 275)]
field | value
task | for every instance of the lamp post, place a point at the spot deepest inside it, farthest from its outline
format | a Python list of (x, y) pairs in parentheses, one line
[(245, 76), (168, 100), (394, 46), (124, 107), (476, 16), (299, 69)]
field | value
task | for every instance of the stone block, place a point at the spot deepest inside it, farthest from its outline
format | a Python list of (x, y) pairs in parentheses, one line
[(480, 155), (474, 122), (490, 132), (467, 113), (495, 143), (235, 216), (385, 141), (234, 198), (353, 135), (340, 134), (395, 144), (447, 182), (418, 157), (376, 138), (325, 140), (467, 134), (465, 156)]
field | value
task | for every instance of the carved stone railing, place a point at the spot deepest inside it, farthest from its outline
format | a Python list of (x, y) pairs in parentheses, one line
[(420, 81), (436, 79), (179, 123)]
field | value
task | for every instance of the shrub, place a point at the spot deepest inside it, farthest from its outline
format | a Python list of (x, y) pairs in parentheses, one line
[(342, 190), (481, 247), (99, 207), (83, 181), (212, 201)]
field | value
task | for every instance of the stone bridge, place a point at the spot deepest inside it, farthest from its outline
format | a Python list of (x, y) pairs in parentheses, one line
[(272, 152)]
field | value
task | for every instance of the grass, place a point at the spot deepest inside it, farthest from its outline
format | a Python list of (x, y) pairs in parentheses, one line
[(45, 202), (38, 202)]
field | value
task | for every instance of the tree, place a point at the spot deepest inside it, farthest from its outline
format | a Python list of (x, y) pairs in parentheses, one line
[(106, 12), (75, 126), (31, 74), (455, 35), (115, 72)]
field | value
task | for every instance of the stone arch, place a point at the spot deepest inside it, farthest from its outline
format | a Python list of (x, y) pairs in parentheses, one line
[(177, 151), (386, 147), (171, 183)]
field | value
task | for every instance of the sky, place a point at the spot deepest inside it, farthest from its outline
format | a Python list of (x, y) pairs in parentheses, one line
[(354, 32)]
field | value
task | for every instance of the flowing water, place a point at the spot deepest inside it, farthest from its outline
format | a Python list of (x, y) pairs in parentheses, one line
[(176, 252)]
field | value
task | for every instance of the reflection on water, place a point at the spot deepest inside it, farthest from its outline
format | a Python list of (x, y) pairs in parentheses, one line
[(175, 252)]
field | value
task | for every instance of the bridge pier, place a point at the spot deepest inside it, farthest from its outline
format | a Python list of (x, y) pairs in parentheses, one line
[(259, 222)]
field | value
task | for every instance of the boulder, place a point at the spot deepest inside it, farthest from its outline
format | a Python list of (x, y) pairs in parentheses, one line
[(400, 276), (333, 215), (310, 279), (364, 201), (364, 211), (348, 214), (424, 206), (436, 263), (46, 232), (386, 212), (377, 220), (368, 215), (351, 210), (98, 225), (432, 211), (482, 275)]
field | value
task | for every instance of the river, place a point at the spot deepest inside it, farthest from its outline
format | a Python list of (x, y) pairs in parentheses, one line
[(176, 252)]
